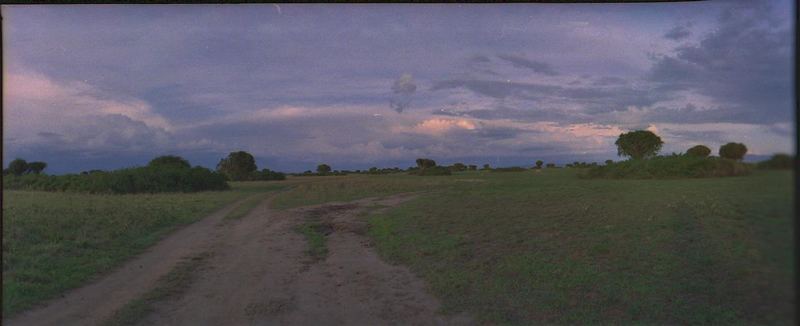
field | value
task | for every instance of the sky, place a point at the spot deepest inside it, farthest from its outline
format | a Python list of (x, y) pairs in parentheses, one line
[(361, 85)]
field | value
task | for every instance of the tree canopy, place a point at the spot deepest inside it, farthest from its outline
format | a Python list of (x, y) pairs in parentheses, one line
[(169, 161), (734, 151), (638, 144), (237, 166), (699, 151)]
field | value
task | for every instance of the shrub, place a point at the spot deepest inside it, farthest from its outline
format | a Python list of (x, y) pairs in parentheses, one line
[(609, 162), (778, 161), (472, 167), (734, 151), (677, 166), (699, 151), (435, 170), (267, 175), (458, 167), (638, 144)]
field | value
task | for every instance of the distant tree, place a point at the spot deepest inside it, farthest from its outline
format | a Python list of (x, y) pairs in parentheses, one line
[(459, 167), (487, 167), (550, 165), (472, 167), (778, 161), (569, 165), (423, 163), (638, 144), (18, 167), (323, 169), (237, 166), (169, 161), (699, 151), (609, 162), (539, 164), (734, 151), (36, 167), (576, 164)]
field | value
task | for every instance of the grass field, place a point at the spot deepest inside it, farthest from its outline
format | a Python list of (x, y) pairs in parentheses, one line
[(56, 241), (548, 247)]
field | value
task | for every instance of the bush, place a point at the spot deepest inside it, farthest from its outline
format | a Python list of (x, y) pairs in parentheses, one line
[(435, 170), (778, 161), (733, 151), (124, 181), (674, 166), (267, 175), (169, 161), (699, 151)]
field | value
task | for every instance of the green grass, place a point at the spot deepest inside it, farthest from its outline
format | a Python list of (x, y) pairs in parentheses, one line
[(53, 242), (314, 232), (318, 190), (168, 286), (521, 248)]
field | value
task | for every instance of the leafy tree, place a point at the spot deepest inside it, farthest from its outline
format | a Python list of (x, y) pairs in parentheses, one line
[(323, 169), (459, 167), (638, 144), (169, 161), (609, 162), (423, 163), (18, 167), (733, 151), (699, 151), (237, 166), (778, 161), (539, 164), (36, 167)]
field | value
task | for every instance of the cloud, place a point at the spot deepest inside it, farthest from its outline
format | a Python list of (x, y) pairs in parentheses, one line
[(522, 62), (402, 89), (678, 33)]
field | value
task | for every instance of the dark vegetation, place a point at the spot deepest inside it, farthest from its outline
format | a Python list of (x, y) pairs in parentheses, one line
[(778, 162), (428, 167), (509, 169), (699, 151), (638, 144), (733, 151)]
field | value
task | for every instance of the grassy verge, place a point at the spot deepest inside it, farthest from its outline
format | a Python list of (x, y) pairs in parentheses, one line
[(550, 248), (170, 285), (314, 233), (53, 242)]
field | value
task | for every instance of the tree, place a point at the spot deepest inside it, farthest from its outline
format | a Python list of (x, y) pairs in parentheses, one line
[(638, 144), (237, 166), (487, 167), (472, 167), (323, 169), (539, 164), (733, 151), (551, 165), (18, 167), (609, 162), (169, 161), (36, 167), (699, 151), (423, 163), (459, 167)]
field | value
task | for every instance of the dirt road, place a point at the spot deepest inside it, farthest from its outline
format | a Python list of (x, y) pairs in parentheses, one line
[(258, 273)]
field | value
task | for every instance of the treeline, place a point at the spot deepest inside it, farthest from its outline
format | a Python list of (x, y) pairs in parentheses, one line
[(162, 174)]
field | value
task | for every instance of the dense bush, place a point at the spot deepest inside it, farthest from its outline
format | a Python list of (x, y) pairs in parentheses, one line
[(733, 151), (434, 170), (699, 151), (124, 181), (169, 161), (267, 175), (673, 166), (778, 161), (238, 166)]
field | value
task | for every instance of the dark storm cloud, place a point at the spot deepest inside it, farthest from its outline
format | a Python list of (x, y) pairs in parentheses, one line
[(744, 64), (522, 62), (403, 88)]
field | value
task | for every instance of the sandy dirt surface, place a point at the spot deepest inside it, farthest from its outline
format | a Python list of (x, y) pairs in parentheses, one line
[(259, 273), (96, 302)]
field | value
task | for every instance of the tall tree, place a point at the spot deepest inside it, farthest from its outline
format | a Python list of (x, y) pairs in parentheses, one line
[(18, 167), (638, 144), (36, 167), (237, 166)]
